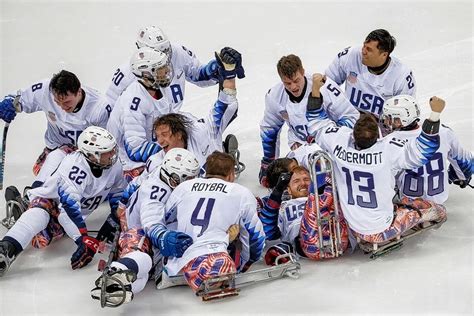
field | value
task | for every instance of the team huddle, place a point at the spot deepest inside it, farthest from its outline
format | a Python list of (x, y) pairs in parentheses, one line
[(363, 170)]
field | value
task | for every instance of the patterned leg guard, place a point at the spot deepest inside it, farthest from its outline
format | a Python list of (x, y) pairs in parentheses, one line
[(408, 214), (129, 175), (205, 267), (132, 240), (54, 230), (309, 230)]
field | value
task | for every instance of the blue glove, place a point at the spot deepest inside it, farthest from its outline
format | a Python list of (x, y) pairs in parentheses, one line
[(7, 109), (174, 244), (86, 249), (229, 62)]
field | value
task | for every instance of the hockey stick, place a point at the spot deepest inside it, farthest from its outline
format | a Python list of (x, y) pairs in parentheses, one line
[(17, 105), (2, 153)]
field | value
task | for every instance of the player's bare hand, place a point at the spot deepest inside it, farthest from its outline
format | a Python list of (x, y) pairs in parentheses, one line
[(233, 232), (437, 104), (318, 82)]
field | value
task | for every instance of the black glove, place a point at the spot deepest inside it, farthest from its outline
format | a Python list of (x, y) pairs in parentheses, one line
[(281, 186), (454, 179), (108, 229), (229, 64), (262, 175), (86, 249)]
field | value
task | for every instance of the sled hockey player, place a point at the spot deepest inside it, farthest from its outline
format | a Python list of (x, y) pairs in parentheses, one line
[(207, 207), (137, 108), (371, 74), (365, 169), (83, 180), (201, 136), (146, 228), (294, 220), (184, 66), (287, 102), (69, 108), (400, 118)]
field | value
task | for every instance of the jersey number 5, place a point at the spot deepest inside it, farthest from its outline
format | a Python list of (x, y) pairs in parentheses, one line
[(204, 221)]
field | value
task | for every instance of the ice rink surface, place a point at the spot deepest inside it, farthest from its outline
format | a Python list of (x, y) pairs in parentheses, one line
[(431, 274)]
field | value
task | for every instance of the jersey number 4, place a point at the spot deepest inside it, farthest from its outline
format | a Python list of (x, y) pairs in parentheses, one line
[(204, 221)]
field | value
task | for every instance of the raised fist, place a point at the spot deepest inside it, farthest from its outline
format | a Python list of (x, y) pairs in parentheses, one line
[(229, 64), (318, 81), (437, 104)]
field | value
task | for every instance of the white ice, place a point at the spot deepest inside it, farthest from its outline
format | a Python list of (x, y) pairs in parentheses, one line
[(431, 274)]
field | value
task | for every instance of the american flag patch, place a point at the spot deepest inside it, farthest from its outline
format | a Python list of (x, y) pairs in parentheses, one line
[(352, 77)]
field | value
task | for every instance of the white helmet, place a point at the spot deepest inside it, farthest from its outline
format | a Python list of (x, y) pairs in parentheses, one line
[(99, 146), (153, 37), (153, 67), (178, 166), (400, 109)]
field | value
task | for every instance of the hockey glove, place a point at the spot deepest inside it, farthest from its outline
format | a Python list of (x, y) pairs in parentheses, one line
[(86, 249), (227, 62), (277, 250), (280, 187), (108, 229), (454, 179), (262, 175), (7, 109), (174, 244)]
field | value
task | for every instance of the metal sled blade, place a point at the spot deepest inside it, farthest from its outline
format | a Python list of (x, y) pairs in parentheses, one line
[(230, 284), (378, 250), (170, 281)]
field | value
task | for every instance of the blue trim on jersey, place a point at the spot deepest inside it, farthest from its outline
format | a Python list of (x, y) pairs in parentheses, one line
[(269, 217), (466, 166), (256, 243), (72, 208), (114, 199), (319, 114), (345, 122), (143, 152), (208, 72), (269, 138), (218, 112), (127, 193), (428, 145), (155, 232)]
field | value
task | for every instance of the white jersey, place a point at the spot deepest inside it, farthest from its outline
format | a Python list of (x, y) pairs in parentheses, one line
[(366, 178), (131, 123), (186, 67), (205, 209), (279, 108), (146, 206), (365, 90), (64, 128), (289, 218), (78, 192), (430, 181), (302, 154)]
